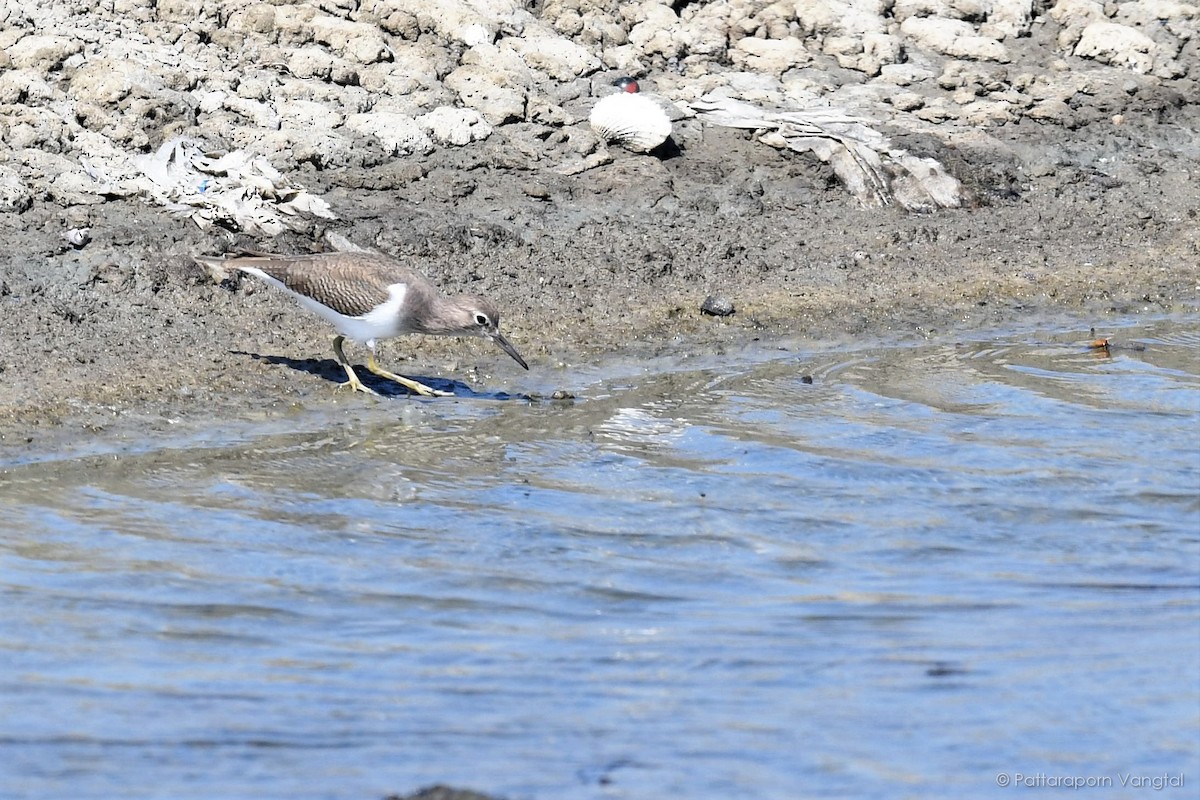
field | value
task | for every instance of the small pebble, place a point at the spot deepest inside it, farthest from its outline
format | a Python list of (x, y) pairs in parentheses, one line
[(536, 190), (562, 395), (716, 306)]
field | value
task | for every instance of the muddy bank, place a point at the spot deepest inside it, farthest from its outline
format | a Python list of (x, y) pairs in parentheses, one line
[(620, 257), (1079, 166)]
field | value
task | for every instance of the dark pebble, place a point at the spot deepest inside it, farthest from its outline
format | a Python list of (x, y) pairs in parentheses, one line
[(440, 792), (716, 306)]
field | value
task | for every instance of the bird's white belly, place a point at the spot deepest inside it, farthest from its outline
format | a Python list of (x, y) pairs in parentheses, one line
[(382, 322)]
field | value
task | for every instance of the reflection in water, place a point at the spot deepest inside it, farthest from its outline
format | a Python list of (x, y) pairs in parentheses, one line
[(926, 566)]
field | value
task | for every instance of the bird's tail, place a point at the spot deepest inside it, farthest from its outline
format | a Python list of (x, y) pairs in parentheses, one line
[(217, 267), (213, 266)]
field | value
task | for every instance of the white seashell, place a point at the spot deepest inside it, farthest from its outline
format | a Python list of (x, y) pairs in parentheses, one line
[(78, 237), (634, 121)]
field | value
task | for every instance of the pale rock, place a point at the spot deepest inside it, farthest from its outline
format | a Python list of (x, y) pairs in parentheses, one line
[(253, 88), (964, 96), (502, 63), (624, 58), (14, 21), (73, 188), (937, 109), (601, 31), (185, 11), (866, 52), (257, 18), (841, 17), (770, 56), (1007, 19), (657, 31), (1156, 17), (704, 28), (858, 98), (258, 113), (903, 74), (561, 59), (412, 65), (903, 9), (749, 85), (906, 101), (356, 41), (567, 21), (820, 17), (107, 82), (27, 86), (41, 167), (1012, 97), (400, 22), (397, 134), (292, 26), (311, 62), (477, 89), (289, 147), (387, 80), (15, 196), (844, 48), (1077, 12), (353, 99), (953, 38), (12, 87), (42, 52), (987, 112), (1074, 16), (879, 50), (96, 147), (773, 21), (469, 22), (454, 126), (1118, 45), (210, 102), (1052, 110), (309, 114)]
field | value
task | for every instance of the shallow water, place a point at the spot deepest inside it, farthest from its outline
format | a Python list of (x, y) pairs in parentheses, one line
[(705, 577)]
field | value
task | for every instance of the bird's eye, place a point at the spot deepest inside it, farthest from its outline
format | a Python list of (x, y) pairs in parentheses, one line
[(481, 319)]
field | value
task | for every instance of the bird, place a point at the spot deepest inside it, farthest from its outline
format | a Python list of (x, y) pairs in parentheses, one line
[(368, 297)]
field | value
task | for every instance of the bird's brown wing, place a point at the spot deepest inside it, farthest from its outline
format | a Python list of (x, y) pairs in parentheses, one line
[(350, 283)]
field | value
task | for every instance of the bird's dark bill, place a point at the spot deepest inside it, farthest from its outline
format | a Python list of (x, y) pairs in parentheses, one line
[(507, 347)]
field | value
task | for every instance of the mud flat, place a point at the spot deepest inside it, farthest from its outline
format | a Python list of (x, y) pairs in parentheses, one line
[(459, 140)]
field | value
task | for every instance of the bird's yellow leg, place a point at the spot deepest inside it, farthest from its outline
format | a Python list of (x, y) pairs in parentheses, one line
[(354, 383), (407, 383)]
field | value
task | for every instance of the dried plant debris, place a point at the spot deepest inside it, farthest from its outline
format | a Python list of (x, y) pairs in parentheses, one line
[(864, 160), (237, 189)]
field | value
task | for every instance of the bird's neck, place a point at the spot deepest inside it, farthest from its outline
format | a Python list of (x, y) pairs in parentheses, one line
[(441, 315)]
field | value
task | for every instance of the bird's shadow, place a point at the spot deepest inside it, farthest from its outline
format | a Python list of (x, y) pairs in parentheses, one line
[(332, 371)]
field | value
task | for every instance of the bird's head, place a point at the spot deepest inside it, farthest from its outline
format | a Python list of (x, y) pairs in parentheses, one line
[(477, 316)]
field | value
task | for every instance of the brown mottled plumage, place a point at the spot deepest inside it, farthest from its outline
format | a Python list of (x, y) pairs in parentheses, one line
[(367, 297)]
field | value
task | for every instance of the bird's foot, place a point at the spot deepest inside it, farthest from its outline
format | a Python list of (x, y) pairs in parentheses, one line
[(354, 383), (416, 387)]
